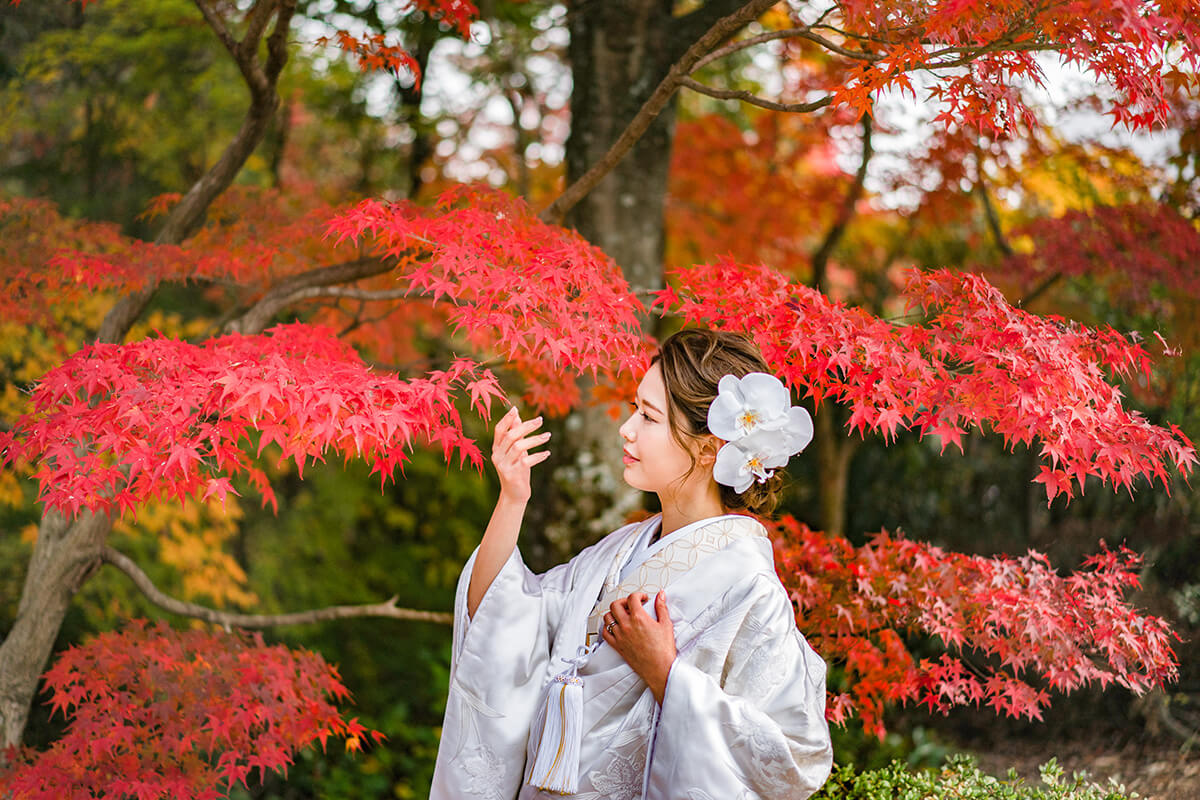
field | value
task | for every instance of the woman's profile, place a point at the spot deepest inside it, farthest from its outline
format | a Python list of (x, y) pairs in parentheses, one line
[(663, 661)]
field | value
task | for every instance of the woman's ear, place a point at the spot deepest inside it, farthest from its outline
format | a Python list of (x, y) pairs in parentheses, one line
[(709, 446)]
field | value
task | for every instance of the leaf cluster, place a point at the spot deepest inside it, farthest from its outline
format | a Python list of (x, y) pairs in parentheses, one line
[(961, 779), (1002, 621), (974, 361), (159, 713)]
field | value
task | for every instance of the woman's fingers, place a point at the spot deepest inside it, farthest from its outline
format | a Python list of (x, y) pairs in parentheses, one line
[(517, 431), (505, 423), (510, 429), (523, 445), (535, 458), (619, 612)]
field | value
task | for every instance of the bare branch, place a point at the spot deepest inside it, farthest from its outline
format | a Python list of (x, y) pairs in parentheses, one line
[(230, 619), (294, 288), (1039, 290), (189, 213), (353, 294), (277, 42), (753, 99), (989, 214), (653, 106), (846, 212), (218, 25), (256, 22), (789, 33)]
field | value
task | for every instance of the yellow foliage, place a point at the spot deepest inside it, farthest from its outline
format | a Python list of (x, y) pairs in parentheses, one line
[(172, 326), (11, 495), (192, 538)]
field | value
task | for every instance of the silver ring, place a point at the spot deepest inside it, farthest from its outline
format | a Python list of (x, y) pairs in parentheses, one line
[(609, 627)]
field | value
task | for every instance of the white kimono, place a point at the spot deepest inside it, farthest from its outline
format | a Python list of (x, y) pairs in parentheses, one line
[(743, 715)]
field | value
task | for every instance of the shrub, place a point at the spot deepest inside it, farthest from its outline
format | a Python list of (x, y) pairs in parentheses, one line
[(961, 779)]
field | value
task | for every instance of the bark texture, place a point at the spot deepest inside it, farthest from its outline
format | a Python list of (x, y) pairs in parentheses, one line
[(620, 51), (64, 557), (834, 451)]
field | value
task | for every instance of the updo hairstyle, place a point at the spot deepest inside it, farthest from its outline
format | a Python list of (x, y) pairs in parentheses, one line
[(693, 361)]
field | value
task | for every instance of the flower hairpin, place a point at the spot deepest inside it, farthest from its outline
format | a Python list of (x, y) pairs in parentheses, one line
[(761, 428)]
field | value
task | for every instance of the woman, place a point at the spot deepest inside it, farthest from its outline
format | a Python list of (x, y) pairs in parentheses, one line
[(674, 632)]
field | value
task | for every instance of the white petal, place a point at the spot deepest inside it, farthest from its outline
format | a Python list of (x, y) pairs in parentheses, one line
[(730, 468), (730, 384), (766, 394), (770, 446), (798, 431), (723, 414)]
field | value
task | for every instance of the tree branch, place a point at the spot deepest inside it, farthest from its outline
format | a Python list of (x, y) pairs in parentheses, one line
[(820, 259), (294, 288), (230, 619), (719, 32), (1039, 290), (189, 213), (753, 99), (989, 214), (689, 27)]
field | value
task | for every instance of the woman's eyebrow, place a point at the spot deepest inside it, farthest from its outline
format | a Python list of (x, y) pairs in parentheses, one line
[(647, 403)]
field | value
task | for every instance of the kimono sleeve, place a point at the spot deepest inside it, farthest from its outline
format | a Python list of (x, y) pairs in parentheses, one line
[(758, 729), (500, 657)]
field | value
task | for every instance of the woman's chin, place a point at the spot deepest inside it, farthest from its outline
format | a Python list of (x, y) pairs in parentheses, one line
[(631, 480)]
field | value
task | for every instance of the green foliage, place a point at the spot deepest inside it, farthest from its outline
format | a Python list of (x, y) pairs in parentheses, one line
[(961, 779), (338, 540), (111, 108)]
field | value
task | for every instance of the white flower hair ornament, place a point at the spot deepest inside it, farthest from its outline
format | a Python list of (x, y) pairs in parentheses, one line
[(761, 428)]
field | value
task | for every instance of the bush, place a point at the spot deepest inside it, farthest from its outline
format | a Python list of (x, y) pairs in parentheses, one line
[(960, 779)]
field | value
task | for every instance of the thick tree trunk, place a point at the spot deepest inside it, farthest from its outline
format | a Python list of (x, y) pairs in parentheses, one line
[(64, 555), (620, 50)]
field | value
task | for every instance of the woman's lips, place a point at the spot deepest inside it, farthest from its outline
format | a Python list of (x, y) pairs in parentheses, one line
[(628, 459)]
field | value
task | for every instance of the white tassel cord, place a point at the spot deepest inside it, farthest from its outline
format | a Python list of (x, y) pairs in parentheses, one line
[(556, 765)]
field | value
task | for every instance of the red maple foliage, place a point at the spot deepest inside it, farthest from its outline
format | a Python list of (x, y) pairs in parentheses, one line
[(975, 362), (1139, 245), (1012, 627), (552, 304), (1125, 43), (118, 425), (156, 712)]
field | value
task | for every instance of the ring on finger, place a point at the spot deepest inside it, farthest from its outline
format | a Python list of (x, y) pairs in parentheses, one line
[(610, 626)]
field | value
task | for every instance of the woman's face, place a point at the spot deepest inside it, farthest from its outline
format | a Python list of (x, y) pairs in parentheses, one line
[(654, 461)]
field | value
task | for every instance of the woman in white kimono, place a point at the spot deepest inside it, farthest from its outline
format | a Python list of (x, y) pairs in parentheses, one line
[(664, 661)]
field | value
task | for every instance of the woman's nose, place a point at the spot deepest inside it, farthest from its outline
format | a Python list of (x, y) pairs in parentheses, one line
[(625, 431)]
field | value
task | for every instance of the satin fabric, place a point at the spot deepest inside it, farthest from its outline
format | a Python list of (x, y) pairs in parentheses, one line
[(743, 712)]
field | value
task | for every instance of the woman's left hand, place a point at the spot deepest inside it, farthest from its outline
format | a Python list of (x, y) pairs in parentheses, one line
[(646, 644)]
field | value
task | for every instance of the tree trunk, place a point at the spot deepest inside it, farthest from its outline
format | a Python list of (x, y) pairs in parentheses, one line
[(64, 555), (620, 50), (834, 450)]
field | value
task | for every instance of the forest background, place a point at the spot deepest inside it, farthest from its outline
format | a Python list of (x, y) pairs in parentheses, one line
[(111, 111)]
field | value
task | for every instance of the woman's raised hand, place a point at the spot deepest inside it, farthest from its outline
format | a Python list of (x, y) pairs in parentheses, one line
[(510, 453)]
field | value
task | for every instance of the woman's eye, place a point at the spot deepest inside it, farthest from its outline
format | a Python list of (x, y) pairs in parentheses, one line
[(633, 405)]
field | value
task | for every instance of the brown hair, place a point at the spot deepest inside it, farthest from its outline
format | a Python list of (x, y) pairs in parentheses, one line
[(693, 361)]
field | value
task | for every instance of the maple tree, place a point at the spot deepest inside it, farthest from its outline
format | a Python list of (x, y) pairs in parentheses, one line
[(121, 423), (1017, 614)]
